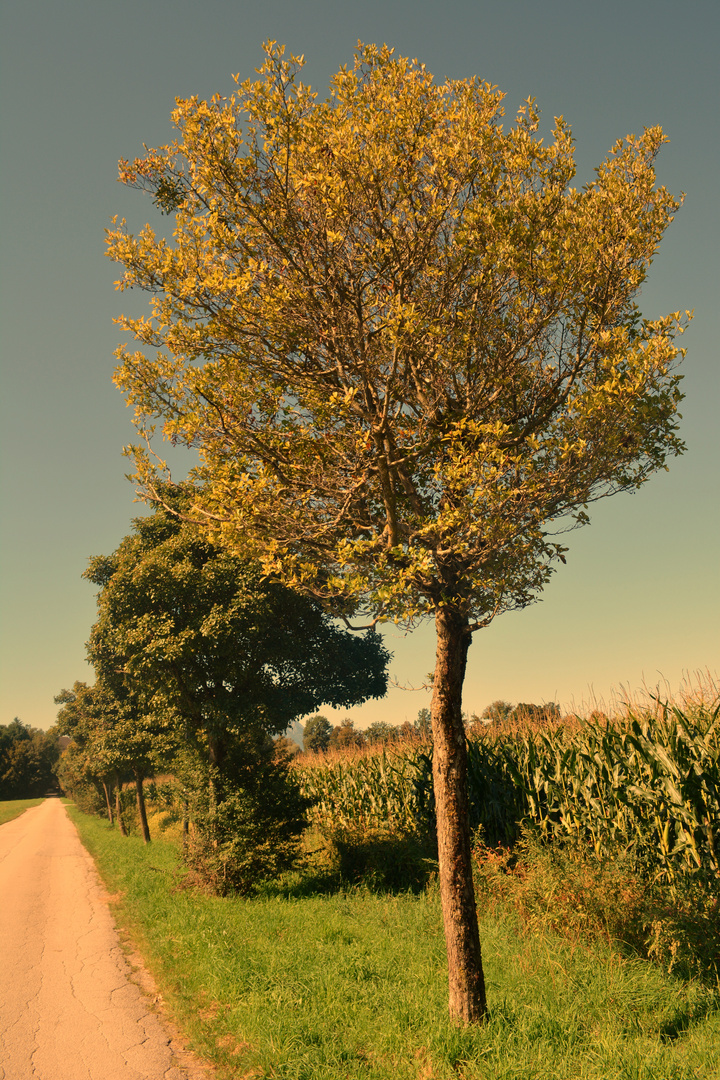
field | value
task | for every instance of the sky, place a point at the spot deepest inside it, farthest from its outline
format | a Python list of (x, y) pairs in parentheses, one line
[(87, 82)]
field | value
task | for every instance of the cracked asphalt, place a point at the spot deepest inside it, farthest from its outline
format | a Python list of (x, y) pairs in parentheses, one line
[(69, 1006)]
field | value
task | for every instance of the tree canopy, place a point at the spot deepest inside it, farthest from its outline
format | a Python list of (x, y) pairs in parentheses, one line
[(316, 732), (197, 635), (409, 353), (400, 339)]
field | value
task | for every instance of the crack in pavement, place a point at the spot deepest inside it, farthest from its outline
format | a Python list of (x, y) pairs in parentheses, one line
[(70, 1008)]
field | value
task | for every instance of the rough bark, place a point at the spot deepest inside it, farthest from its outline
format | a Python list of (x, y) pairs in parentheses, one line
[(457, 894), (142, 812)]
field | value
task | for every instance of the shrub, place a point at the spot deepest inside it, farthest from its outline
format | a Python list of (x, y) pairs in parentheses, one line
[(246, 823), (566, 888)]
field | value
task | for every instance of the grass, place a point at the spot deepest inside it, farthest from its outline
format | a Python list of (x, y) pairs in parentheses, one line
[(15, 807), (351, 984)]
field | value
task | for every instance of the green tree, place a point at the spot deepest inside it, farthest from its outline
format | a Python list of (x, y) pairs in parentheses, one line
[(111, 741), (28, 757), (380, 732), (497, 711), (201, 650), (410, 354), (344, 736), (423, 724), (528, 713), (207, 639), (316, 733)]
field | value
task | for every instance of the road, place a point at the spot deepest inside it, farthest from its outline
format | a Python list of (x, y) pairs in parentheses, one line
[(69, 1006)]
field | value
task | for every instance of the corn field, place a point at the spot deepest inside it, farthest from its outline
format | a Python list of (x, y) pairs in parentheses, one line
[(647, 783)]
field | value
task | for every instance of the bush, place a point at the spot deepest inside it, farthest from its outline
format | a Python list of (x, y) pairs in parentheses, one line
[(383, 860), (566, 888), (246, 824)]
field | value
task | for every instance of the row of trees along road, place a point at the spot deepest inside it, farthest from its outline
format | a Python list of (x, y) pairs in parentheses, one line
[(199, 660), (409, 353)]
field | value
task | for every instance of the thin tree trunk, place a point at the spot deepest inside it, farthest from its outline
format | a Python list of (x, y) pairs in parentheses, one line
[(118, 807), (214, 757), (107, 801), (185, 826), (457, 894), (142, 812)]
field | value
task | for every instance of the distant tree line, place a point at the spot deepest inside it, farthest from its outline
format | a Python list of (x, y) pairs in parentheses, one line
[(28, 757), (502, 712), (320, 735)]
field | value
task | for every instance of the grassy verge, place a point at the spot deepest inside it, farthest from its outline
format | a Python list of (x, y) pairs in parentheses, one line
[(15, 807), (352, 984)]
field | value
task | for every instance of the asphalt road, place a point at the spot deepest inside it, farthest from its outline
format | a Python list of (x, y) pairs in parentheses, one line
[(70, 1008)]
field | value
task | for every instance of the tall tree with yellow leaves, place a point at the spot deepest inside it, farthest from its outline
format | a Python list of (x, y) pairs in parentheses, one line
[(409, 354)]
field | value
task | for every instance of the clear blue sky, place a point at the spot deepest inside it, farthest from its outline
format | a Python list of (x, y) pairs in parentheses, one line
[(85, 82)]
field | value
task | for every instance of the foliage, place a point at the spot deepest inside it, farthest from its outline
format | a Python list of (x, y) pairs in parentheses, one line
[(566, 888), (106, 748), (28, 757), (344, 736), (316, 733), (382, 859), (211, 646), (206, 659), (381, 732), (409, 353), (285, 746), (497, 711), (114, 734), (423, 725), (401, 340), (382, 790), (249, 829)]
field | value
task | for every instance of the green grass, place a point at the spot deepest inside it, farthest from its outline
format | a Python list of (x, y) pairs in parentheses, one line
[(15, 807), (352, 984)]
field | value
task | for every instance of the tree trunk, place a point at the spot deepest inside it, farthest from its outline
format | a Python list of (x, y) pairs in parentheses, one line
[(107, 802), (214, 758), (142, 812), (118, 806), (185, 826), (457, 894)]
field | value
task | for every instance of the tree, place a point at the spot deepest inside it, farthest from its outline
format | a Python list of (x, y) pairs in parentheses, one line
[(344, 736), (409, 353), (497, 712), (204, 637), (27, 760), (316, 733), (380, 732), (202, 651), (112, 739), (528, 713), (423, 724)]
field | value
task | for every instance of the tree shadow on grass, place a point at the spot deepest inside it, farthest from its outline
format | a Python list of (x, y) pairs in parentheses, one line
[(375, 861)]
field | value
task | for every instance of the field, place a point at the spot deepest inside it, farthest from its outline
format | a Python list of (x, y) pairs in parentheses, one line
[(15, 807), (596, 876)]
